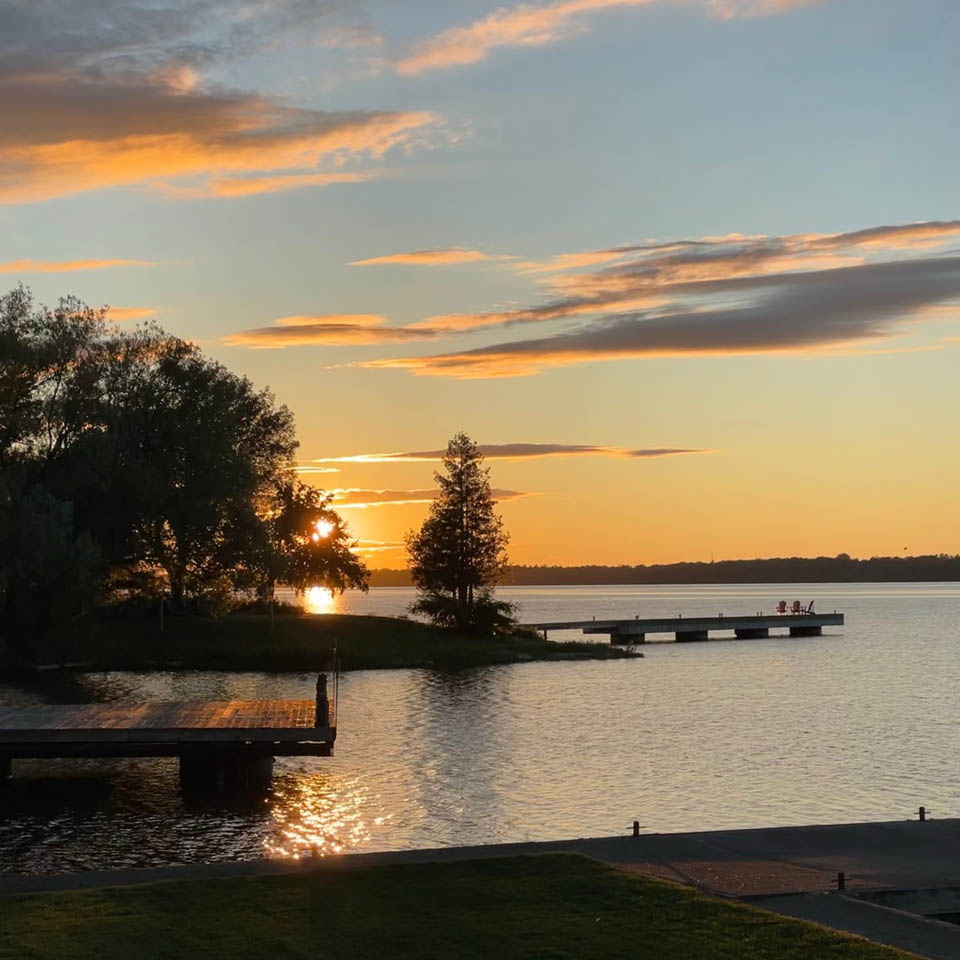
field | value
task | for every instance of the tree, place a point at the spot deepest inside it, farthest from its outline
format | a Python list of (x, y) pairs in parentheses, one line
[(459, 554), (306, 543), (133, 465), (207, 449)]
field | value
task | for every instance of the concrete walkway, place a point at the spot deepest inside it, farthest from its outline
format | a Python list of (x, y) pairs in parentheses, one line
[(926, 938), (790, 870)]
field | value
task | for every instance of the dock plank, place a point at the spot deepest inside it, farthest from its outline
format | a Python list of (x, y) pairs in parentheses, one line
[(277, 727), (200, 715)]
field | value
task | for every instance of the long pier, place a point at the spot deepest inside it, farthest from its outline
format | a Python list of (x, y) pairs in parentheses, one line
[(218, 743), (691, 629)]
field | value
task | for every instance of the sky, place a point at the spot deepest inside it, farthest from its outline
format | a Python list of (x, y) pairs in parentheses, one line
[(687, 270)]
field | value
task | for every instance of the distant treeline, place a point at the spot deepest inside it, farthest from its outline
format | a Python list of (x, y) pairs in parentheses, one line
[(839, 569)]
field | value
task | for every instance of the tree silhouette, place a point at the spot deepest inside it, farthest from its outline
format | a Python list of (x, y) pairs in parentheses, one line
[(306, 543), (133, 465), (458, 555)]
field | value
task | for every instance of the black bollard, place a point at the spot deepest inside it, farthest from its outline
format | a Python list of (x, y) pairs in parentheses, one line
[(322, 717), (636, 828), (841, 880), (923, 813)]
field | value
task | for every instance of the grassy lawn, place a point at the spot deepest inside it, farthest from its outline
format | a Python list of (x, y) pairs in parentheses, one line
[(548, 906), (245, 641)]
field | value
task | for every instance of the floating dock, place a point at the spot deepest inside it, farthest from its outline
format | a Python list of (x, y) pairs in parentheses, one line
[(692, 629), (218, 743)]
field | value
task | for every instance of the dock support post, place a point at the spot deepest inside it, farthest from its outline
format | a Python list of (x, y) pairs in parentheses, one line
[(752, 633), (622, 639), (218, 771), (806, 631), (691, 636), (6, 769)]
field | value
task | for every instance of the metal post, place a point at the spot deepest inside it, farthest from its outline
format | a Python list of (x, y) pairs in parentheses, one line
[(923, 813), (636, 828), (322, 716), (841, 880)]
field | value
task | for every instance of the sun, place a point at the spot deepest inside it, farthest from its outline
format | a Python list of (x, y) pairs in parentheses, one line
[(322, 530)]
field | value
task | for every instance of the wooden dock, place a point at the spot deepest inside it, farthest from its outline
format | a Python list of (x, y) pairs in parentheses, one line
[(690, 629), (222, 741)]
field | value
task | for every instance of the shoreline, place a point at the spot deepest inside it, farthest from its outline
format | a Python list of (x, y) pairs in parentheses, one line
[(758, 861), (512, 907), (293, 643), (900, 877)]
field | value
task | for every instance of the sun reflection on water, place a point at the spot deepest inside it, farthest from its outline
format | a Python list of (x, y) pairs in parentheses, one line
[(319, 816), (319, 600)]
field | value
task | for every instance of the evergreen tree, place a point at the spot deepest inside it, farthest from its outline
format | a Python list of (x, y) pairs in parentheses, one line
[(459, 553)]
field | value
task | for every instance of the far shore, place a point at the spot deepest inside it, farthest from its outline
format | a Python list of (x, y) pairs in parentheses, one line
[(297, 643)]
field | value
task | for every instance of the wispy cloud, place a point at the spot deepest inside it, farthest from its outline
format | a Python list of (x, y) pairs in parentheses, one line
[(536, 25), (517, 451), (778, 313), (250, 186), (657, 279), (426, 258), (109, 94), (352, 497), (378, 546), (335, 329), (67, 266), (121, 314)]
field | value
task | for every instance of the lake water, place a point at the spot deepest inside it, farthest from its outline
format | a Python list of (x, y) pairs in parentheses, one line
[(860, 724)]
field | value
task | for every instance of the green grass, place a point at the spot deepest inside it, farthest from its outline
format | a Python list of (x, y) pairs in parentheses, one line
[(555, 906), (245, 641)]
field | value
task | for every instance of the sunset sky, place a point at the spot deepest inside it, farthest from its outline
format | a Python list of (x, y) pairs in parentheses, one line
[(689, 270)]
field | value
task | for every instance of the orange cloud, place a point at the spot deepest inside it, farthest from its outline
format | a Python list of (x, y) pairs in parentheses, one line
[(922, 235), (332, 329), (249, 186), (130, 313), (352, 497), (518, 451), (803, 312), (651, 276), (66, 266), (259, 141), (425, 258), (378, 546), (534, 25), (571, 261), (64, 134)]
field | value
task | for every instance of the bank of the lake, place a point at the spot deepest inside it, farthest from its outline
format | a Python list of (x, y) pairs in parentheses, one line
[(298, 642), (549, 906)]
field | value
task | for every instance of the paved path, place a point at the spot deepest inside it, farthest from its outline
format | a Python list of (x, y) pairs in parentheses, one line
[(789, 870), (926, 938)]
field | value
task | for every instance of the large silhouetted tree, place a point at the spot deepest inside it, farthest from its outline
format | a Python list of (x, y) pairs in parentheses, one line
[(459, 553), (131, 463)]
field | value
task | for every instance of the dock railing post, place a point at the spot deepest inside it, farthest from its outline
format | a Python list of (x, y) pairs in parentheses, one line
[(322, 715)]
